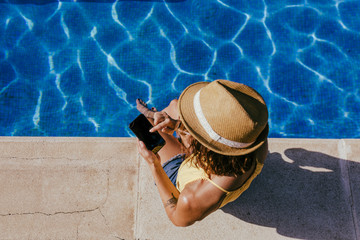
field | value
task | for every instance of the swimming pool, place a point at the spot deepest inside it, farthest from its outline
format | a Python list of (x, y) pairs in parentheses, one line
[(75, 68)]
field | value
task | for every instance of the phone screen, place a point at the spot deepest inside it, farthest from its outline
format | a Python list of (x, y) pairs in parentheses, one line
[(140, 127)]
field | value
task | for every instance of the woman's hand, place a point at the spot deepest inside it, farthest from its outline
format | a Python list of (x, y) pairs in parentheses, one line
[(164, 123), (148, 155), (161, 120)]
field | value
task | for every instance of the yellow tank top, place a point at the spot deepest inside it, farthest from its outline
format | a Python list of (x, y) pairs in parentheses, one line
[(189, 173)]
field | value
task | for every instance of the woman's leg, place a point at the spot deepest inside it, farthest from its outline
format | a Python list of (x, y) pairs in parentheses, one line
[(172, 109), (172, 146)]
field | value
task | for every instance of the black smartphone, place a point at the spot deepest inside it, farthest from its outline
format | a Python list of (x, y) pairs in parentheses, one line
[(140, 127)]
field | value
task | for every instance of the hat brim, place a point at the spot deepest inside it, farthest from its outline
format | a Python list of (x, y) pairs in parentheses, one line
[(192, 124)]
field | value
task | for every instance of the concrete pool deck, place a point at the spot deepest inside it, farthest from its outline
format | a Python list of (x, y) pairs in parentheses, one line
[(99, 188)]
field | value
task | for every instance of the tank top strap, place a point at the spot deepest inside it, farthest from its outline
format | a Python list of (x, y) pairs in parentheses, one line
[(216, 185)]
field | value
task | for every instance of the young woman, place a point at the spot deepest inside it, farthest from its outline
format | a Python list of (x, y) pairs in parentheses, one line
[(222, 145)]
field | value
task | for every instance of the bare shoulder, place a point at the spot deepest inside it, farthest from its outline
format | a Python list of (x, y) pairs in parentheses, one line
[(201, 198)]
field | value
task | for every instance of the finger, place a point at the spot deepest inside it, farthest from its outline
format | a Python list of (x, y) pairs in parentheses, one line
[(160, 126), (144, 152), (167, 130), (138, 144), (141, 145), (158, 117)]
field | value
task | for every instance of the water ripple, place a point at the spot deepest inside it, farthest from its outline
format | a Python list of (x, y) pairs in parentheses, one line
[(75, 68)]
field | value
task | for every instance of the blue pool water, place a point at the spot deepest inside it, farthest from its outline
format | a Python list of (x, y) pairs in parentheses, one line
[(75, 68)]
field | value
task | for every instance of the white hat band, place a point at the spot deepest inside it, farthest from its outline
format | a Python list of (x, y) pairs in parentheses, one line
[(213, 135)]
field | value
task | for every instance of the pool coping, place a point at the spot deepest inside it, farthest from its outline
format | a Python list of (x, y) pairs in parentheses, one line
[(100, 188)]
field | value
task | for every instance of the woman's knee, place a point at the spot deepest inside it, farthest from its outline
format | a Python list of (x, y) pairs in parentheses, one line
[(172, 109), (173, 104)]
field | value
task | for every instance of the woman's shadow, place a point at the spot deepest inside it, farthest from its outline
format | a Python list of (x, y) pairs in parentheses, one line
[(306, 196)]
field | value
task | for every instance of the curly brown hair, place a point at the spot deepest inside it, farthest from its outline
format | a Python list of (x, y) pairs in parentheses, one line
[(215, 163)]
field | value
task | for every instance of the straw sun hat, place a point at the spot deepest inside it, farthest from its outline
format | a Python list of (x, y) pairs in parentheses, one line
[(227, 117)]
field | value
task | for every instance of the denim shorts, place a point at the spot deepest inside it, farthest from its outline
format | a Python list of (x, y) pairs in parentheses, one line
[(172, 166)]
